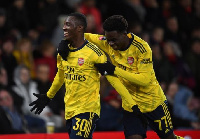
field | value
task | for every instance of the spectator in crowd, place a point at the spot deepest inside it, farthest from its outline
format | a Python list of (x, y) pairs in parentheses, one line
[(24, 87), (145, 36), (196, 13), (4, 84), (183, 109), (136, 28), (3, 76), (4, 28), (163, 69), (136, 5), (8, 59), (182, 71), (24, 54), (183, 12), (47, 51), (68, 6), (48, 17), (173, 33), (42, 77), (157, 36), (166, 9), (153, 16), (178, 122), (193, 60), (91, 27), (18, 18), (11, 120), (195, 33), (34, 37), (89, 9), (32, 8)]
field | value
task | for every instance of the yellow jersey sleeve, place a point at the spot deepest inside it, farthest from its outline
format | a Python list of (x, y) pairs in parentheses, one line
[(102, 58), (58, 79), (115, 82), (121, 89), (98, 40), (144, 67)]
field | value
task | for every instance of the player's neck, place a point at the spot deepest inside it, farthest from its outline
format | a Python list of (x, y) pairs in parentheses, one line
[(78, 42)]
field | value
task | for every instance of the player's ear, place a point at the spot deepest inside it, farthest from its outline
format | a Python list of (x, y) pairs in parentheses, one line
[(80, 28)]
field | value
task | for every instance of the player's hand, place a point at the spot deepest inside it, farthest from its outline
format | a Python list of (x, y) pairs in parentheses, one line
[(105, 68), (138, 113), (40, 103), (63, 49)]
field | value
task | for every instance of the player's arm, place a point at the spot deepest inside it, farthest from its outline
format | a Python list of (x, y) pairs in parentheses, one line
[(121, 89), (141, 79), (98, 40), (43, 99), (116, 83), (144, 67), (58, 79), (57, 83)]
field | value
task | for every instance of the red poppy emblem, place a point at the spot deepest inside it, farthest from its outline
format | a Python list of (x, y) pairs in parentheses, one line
[(130, 60), (102, 38), (80, 61)]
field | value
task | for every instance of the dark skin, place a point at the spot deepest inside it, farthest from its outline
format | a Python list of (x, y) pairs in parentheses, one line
[(73, 31), (119, 41)]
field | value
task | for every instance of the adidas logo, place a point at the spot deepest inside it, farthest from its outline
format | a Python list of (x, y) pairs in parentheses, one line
[(79, 134)]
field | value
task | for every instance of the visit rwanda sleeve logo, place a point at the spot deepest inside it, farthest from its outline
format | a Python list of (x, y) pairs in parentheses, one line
[(81, 61), (130, 60)]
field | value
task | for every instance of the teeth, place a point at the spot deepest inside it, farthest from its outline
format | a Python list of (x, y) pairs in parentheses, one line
[(66, 33)]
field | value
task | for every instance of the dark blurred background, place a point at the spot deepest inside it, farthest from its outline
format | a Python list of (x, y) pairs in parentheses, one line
[(30, 31)]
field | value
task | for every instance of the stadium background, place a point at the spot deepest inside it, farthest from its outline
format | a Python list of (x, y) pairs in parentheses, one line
[(30, 31)]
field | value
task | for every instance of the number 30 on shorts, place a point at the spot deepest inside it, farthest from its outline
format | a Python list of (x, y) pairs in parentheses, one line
[(81, 124)]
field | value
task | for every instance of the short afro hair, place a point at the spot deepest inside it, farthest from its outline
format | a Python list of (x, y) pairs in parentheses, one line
[(115, 23), (81, 19)]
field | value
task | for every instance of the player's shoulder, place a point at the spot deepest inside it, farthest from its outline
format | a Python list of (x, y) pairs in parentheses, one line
[(95, 48), (98, 37), (141, 45)]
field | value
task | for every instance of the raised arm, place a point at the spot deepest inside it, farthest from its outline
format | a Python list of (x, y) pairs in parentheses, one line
[(43, 99)]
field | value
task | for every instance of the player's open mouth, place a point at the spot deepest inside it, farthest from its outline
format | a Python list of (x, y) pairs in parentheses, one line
[(66, 33)]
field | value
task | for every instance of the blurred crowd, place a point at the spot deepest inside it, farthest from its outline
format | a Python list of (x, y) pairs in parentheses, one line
[(30, 31)]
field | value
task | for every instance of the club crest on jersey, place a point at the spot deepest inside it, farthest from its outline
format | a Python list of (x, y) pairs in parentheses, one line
[(80, 61), (102, 38), (130, 60)]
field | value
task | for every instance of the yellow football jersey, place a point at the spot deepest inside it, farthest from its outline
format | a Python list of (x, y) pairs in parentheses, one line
[(82, 81), (135, 70)]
